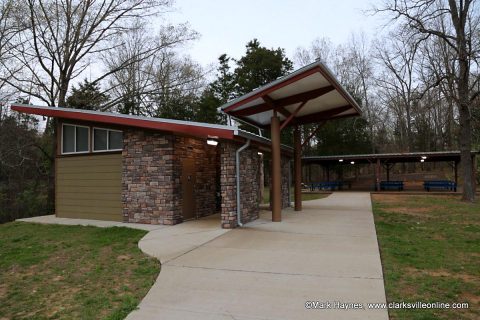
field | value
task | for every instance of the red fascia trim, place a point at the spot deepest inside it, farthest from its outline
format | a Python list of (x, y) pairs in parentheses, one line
[(140, 123), (273, 88)]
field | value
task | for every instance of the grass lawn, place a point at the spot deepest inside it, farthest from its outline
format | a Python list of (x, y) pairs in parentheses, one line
[(72, 272), (305, 196), (430, 248)]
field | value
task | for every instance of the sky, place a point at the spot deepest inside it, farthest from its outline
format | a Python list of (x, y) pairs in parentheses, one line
[(226, 26)]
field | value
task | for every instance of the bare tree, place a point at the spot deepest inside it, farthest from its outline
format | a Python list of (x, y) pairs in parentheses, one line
[(397, 58), (60, 39), (352, 64), (461, 35), (362, 69), (438, 63), (136, 88), (320, 49), (8, 31)]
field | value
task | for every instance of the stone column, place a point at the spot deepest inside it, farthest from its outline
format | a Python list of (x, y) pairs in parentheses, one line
[(250, 162)]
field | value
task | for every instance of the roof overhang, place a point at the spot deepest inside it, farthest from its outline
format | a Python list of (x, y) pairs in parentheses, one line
[(188, 128), (176, 126), (310, 94), (435, 156)]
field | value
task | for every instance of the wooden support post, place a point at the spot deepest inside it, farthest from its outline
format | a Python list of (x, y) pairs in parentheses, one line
[(377, 175), (388, 167), (455, 170), (327, 169), (310, 173), (276, 170), (298, 168)]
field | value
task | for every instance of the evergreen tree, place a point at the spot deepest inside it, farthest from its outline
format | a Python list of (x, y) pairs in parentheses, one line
[(260, 66), (257, 67), (224, 86), (87, 96), (206, 108), (343, 136)]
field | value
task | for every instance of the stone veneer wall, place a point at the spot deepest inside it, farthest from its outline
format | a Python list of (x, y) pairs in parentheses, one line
[(149, 185), (205, 172), (151, 176), (250, 163)]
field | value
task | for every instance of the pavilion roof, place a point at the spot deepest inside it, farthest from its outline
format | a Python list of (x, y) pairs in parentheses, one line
[(308, 95)]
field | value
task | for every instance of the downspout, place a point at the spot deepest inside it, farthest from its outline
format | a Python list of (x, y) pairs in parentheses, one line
[(290, 182), (237, 167)]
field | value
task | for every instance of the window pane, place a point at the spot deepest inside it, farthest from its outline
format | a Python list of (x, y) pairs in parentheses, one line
[(115, 140), (68, 139), (99, 139), (82, 139)]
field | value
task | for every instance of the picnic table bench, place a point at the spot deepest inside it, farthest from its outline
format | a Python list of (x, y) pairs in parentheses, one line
[(326, 185), (389, 185), (440, 184)]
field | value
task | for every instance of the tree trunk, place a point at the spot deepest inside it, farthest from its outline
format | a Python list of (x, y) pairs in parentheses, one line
[(465, 136), (465, 143)]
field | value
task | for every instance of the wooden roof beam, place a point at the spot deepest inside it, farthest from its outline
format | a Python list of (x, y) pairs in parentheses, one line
[(314, 132), (292, 116), (322, 116), (308, 95), (274, 106)]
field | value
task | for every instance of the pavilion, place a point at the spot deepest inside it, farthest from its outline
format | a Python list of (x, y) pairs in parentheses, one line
[(388, 160), (309, 95)]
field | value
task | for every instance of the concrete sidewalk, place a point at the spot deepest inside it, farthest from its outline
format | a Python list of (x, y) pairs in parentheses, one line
[(327, 252), (52, 219)]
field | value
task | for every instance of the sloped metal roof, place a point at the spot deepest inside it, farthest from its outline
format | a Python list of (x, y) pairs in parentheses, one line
[(313, 88)]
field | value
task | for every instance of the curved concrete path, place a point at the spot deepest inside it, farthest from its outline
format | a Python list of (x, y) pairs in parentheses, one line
[(327, 253)]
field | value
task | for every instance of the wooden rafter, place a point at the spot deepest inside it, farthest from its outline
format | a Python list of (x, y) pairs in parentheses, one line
[(310, 136), (321, 116), (292, 115), (273, 88), (308, 95), (273, 105)]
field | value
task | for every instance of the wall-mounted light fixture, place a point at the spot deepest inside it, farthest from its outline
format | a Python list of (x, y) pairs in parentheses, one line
[(352, 162), (260, 154), (340, 160), (424, 157), (212, 142), (422, 160)]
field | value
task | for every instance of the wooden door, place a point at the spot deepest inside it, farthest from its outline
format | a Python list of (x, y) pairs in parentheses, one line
[(188, 189)]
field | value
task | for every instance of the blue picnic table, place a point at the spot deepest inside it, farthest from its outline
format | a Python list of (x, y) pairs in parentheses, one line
[(391, 185), (440, 184), (326, 185)]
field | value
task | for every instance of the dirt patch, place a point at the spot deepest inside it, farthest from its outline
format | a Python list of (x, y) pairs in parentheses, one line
[(443, 273), (123, 257), (471, 298), (58, 278), (402, 198), (438, 237), (421, 212), (389, 198), (53, 311), (3, 291)]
